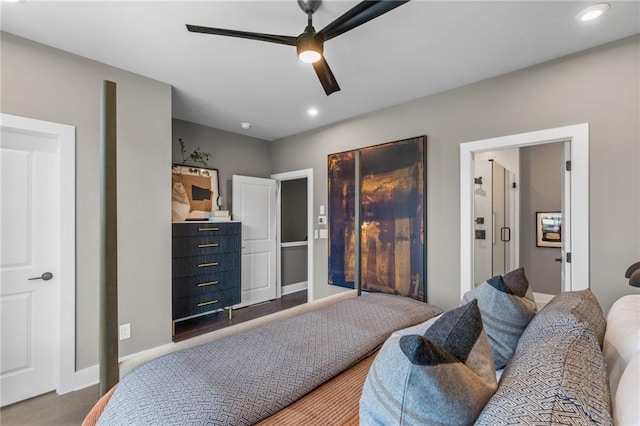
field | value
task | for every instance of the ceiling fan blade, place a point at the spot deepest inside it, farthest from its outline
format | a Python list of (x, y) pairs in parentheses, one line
[(327, 79), (358, 15), (271, 38)]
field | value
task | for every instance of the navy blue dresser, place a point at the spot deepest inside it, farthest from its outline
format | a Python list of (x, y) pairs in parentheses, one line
[(206, 267)]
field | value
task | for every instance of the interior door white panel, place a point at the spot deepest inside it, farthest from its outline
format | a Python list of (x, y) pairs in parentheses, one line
[(254, 204), (29, 188)]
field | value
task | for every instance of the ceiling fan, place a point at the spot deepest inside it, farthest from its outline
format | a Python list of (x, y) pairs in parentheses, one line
[(310, 43)]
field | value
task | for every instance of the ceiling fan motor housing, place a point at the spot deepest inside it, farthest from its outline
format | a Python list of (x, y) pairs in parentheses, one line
[(309, 6), (308, 41)]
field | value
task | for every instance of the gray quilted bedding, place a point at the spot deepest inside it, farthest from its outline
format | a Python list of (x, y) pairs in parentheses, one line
[(242, 379)]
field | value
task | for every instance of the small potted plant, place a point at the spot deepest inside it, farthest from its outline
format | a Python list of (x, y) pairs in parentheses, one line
[(197, 157)]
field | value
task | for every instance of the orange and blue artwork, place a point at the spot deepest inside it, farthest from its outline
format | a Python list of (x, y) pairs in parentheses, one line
[(391, 200)]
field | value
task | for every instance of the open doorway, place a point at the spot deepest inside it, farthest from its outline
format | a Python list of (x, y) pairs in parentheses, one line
[(574, 252), (294, 228), (512, 189), (293, 236)]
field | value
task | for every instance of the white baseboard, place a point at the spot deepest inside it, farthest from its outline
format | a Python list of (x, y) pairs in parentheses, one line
[(292, 288), (91, 375), (80, 379)]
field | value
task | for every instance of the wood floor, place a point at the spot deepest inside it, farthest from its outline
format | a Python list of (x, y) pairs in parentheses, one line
[(70, 409), (51, 409), (207, 323)]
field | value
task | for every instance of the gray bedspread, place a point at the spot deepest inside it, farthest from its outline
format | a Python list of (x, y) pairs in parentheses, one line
[(244, 378)]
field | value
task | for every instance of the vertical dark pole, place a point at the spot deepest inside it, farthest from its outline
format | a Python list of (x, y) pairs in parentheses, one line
[(109, 374), (358, 230)]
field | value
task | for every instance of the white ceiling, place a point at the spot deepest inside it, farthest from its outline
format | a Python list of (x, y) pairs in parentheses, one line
[(418, 49)]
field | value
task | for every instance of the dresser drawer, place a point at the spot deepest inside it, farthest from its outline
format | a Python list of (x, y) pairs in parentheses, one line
[(205, 228), (211, 301), (201, 265), (200, 284), (204, 244)]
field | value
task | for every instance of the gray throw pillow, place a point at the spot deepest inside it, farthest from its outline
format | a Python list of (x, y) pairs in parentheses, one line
[(505, 315), (518, 283), (445, 376)]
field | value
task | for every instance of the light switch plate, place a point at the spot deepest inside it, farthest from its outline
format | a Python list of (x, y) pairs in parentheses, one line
[(322, 220), (324, 234)]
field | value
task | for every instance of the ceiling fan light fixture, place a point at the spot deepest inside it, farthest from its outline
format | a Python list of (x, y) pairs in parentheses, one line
[(309, 56), (592, 12), (309, 48)]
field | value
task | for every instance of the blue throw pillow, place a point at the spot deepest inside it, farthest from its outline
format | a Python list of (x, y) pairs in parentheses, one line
[(505, 315), (443, 377)]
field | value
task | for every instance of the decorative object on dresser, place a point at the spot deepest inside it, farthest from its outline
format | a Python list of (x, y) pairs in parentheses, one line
[(220, 216), (206, 268)]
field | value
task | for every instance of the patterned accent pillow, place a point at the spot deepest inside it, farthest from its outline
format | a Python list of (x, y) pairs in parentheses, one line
[(445, 376), (554, 378), (504, 315), (570, 309)]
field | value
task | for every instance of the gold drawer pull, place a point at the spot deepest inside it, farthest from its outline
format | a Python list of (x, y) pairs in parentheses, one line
[(206, 265), (208, 283), (210, 302), (208, 245), (208, 229)]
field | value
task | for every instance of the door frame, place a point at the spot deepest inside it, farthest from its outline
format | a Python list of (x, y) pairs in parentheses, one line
[(279, 177), (578, 137), (65, 137)]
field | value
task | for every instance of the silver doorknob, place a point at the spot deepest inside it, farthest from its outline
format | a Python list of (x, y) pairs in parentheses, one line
[(46, 276)]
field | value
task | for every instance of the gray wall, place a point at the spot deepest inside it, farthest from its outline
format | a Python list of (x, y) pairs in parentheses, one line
[(294, 210), (48, 84), (232, 153), (540, 191), (294, 265), (599, 86)]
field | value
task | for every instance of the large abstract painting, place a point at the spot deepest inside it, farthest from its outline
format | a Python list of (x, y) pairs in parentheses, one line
[(391, 198)]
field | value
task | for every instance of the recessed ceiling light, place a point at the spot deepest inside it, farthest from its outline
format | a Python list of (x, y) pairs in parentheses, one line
[(245, 125), (592, 12), (313, 111)]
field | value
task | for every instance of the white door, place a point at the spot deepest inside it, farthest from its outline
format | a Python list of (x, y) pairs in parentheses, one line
[(254, 203), (29, 234)]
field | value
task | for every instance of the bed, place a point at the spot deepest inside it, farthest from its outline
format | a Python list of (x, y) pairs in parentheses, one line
[(305, 369)]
